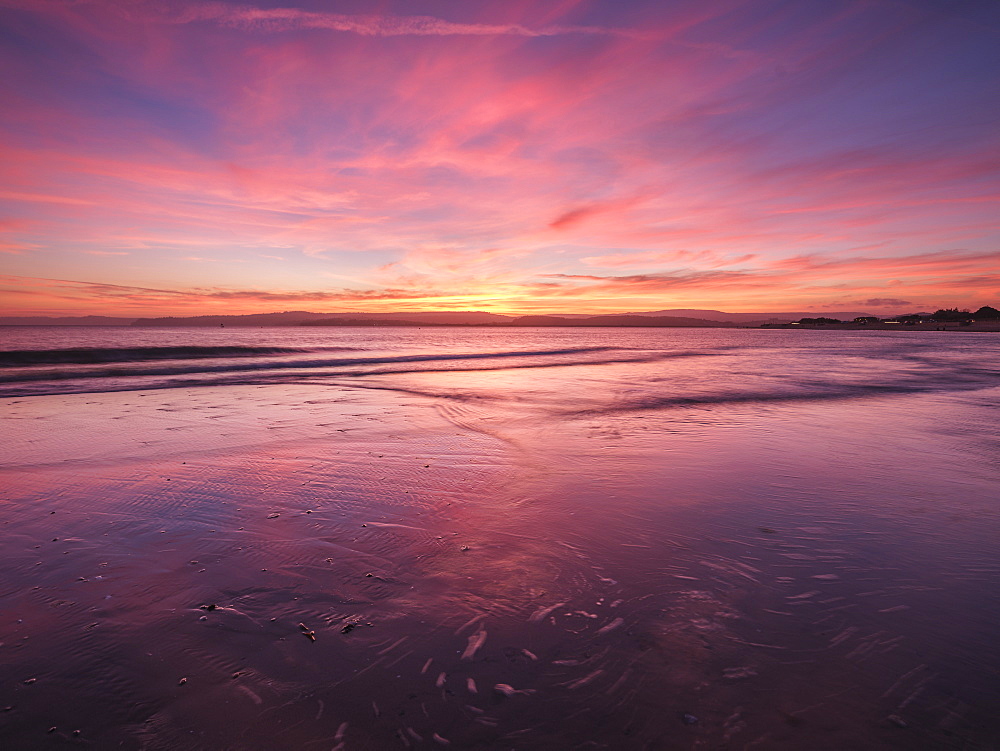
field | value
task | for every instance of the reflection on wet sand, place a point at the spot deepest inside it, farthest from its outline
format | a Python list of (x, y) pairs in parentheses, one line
[(373, 570)]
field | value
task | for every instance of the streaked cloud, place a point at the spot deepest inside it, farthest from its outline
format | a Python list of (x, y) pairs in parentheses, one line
[(884, 302), (286, 19)]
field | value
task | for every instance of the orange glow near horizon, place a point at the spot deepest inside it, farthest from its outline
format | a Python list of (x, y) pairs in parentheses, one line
[(541, 157)]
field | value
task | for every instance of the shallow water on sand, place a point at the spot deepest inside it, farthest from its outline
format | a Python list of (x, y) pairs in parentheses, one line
[(574, 539)]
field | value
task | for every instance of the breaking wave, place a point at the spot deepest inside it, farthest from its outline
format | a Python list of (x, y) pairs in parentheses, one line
[(89, 370), (95, 355)]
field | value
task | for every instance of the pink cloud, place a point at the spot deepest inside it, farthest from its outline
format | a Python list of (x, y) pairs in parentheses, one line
[(133, 299), (287, 19), (704, 258), (883, 302)]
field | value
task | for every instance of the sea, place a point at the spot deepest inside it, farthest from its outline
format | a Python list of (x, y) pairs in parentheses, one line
[(499, 538)]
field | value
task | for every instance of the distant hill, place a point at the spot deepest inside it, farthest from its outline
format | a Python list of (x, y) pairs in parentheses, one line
[(750, 318), (287, 318), (300, 317), (64, 321)]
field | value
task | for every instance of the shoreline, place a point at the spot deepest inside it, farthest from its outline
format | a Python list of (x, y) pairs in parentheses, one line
[(975, 327)]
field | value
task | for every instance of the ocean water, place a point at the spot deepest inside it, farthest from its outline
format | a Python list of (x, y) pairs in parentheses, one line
[(376, 538)]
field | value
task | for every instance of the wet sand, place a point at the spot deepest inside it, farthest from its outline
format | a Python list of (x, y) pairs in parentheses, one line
[(316, 567)]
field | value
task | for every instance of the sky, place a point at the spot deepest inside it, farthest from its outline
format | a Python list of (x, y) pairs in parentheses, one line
[(524, 156)]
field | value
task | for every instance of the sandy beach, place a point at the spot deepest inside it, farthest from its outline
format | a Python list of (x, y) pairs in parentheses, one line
[(321, 565)]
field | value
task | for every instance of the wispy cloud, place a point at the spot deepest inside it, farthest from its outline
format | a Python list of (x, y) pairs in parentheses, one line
[(292, 19), (128, 296), (884, 302), (287, 19)]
